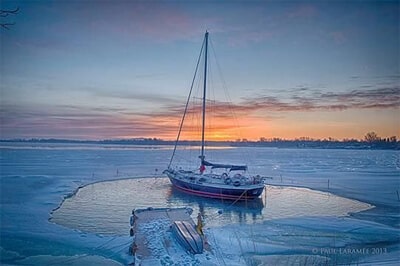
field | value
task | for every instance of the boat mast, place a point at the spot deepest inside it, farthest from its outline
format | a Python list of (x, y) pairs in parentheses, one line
[(204, 97)]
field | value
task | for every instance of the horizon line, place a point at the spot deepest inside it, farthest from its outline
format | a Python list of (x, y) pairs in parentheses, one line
[(241, 140)]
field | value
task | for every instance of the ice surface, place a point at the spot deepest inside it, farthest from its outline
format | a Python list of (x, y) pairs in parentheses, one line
[(102, 207), (34, 180), (308, 240)]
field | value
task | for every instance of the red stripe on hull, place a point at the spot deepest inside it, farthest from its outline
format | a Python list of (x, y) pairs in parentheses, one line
[(213, 195)]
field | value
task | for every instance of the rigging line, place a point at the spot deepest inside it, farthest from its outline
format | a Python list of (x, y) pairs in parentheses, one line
[(212, 125), (228, 98), (186, 106), (225, 87)]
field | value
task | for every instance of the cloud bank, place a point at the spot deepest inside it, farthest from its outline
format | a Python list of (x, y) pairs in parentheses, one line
[(68, 121)]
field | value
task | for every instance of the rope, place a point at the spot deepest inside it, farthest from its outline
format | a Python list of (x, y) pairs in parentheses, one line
[(217, 249), (58, 261), (230, 205)]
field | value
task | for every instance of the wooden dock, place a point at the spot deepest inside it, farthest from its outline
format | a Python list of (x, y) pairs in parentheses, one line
[(152, 235)]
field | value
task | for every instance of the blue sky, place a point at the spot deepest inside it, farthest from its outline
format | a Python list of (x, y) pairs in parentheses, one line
[(121, 69)]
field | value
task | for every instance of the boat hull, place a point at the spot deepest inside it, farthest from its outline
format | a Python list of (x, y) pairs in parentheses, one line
[(229, 193)]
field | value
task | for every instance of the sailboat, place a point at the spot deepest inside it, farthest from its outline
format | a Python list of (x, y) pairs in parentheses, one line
[(232, 184)]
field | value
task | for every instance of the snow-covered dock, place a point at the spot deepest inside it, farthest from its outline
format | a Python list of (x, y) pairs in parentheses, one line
[(153, 242)]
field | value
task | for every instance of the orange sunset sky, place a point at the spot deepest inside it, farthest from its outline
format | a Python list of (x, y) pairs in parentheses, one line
[(123, 69)]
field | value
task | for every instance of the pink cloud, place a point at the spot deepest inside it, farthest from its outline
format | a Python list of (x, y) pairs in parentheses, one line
[(162, 21), (244, 37), (50, 121)]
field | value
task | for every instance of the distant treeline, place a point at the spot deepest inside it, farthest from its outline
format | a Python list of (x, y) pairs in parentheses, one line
[(379, 143)]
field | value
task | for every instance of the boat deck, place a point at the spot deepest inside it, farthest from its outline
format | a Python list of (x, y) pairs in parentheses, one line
[(152, 231), (235, 181)]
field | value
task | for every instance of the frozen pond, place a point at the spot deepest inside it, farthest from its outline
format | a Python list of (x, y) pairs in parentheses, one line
[(105, 207), (289, 226)]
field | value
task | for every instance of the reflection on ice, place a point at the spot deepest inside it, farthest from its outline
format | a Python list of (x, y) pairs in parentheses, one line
[(104, 207)]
